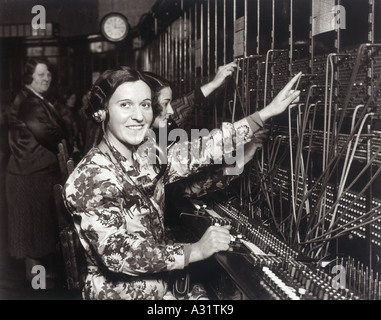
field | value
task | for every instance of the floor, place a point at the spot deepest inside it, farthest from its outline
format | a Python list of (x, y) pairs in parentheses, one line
[(13, 285)]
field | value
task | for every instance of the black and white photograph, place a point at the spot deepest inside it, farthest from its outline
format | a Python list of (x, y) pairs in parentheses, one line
[(191, 153)]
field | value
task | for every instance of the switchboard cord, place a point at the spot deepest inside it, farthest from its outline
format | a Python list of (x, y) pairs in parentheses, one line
[(314, 219), (333, 163), (351, 204)]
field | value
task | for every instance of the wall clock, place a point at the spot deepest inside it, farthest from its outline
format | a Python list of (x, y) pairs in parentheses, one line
[(114, 27)]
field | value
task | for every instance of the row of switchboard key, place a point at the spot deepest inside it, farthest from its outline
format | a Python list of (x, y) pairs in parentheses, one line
[(287, 274), (280, 268)]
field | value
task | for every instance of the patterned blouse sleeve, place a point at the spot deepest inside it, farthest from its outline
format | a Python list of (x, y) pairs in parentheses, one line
[(223, 146), (95, 199), (205, 182)]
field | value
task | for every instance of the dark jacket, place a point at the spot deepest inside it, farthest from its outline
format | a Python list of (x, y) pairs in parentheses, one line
[(35, 130)]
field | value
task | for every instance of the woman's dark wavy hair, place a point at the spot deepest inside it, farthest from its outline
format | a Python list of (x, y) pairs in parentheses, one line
[(105, 86), (157, 83), (30, 68)]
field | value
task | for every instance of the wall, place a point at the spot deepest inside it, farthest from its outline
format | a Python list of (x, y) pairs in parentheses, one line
[(133, 10), (74, 17)]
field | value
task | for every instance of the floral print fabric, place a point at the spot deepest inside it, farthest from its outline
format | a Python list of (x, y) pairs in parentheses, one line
[(120, 222)]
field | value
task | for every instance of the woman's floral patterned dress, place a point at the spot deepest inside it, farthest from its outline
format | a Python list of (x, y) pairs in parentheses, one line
[(117, 209)]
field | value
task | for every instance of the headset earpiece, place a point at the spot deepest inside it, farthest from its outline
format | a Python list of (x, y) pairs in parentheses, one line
[(100, 116)]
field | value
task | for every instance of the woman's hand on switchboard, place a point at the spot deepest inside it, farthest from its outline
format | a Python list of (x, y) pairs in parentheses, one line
[(215, 239), (283, 100)]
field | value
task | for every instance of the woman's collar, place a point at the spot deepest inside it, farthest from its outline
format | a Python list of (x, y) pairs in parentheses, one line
[(29, 87)]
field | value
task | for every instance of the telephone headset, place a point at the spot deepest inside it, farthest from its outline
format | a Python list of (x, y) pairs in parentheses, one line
[(100, 115)]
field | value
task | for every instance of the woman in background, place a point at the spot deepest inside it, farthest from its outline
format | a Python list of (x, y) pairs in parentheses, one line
[(175, 113), (35, 130)]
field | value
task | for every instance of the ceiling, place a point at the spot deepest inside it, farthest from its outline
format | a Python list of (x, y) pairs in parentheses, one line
[(74, 17)]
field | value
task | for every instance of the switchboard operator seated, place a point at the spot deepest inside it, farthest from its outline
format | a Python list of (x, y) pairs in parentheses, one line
[(117, 203), (176, 112), (170, 115)]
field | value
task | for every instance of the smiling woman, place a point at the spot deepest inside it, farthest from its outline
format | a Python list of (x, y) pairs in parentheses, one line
[(117, 202), (130, 105)]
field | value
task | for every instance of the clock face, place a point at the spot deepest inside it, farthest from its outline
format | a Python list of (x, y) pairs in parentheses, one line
[(114, 27)]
